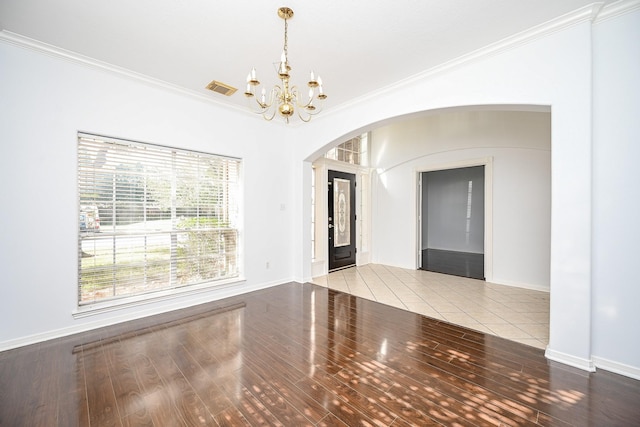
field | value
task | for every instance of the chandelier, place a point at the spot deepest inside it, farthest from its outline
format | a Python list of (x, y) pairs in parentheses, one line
[(285, 99)]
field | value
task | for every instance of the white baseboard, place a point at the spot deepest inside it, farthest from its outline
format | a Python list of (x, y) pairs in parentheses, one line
[(567, 359), (617, 368), (595, 362), (318, 268), (520, 285), (139, 314)]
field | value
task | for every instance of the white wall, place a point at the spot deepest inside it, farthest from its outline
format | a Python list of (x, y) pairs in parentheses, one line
[(519, 144), (616, 196), (44, 101), (548, 67)]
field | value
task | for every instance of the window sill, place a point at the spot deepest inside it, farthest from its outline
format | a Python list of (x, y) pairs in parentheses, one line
[(151, 298)]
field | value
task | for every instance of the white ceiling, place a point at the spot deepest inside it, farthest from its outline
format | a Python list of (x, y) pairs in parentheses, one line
[(356, 46)]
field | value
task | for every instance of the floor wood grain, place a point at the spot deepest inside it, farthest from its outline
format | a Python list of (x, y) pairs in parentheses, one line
[(301, 355)]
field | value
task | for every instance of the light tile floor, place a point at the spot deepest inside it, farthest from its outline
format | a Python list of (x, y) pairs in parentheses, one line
[(517, 314)]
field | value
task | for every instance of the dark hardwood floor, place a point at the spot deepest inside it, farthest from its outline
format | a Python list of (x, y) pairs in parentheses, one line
[(296, 355)]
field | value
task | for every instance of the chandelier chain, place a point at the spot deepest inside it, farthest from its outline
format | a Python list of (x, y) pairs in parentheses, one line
[(286, 41)]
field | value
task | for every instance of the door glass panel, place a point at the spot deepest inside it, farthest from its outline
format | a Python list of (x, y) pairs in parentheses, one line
[(341, 212)]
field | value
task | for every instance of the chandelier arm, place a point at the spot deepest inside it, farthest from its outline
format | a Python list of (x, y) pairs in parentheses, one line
[(260, 107), (274, 94), (268, 117), (315, 101), (295, 94), (286, 99), (319, 104), (311, 107), (301, 117), (315, 111), (254, 106), (269, 110), (257, 107)]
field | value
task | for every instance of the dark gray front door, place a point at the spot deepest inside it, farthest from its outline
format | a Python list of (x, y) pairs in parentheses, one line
[(342, 219)]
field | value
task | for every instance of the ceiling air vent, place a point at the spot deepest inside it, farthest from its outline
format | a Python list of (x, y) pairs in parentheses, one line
[(221, 88)]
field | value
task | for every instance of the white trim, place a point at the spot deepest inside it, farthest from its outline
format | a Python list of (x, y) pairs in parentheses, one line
[(101, 307), (318, 268), (73, 57), (594, 12), (567, 359), (520, 285), (226, 292), (417, 184), (322, 165), (488, 219), (454, 164), (616, 9), (617, 367), (586, 13), (487, 162)]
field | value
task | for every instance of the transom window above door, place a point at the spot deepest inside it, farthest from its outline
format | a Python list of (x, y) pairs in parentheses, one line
[(354, 151)]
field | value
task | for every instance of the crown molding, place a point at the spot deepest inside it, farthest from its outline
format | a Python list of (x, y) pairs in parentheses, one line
[(595, 12), (76, 58), (616, 9), (571, 19)]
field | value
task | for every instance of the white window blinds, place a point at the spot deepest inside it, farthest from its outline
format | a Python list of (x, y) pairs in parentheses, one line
[(153, 218)]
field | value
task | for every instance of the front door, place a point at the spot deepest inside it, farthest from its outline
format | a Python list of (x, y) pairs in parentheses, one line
[(342, 219)]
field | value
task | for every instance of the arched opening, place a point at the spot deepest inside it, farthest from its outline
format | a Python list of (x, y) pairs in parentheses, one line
[(516, 142)]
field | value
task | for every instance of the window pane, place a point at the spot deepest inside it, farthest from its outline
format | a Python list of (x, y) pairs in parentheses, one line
[(356, 145), (153, 218), (353, 151)]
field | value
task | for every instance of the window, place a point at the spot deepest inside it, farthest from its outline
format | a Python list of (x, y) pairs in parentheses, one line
[(153, 218), (353, 151)]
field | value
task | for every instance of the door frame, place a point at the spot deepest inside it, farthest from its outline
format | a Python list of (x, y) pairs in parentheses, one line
[(487, 162), (320, 265)]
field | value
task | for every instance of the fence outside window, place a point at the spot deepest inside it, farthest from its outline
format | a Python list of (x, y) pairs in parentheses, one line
[(153, 218)]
